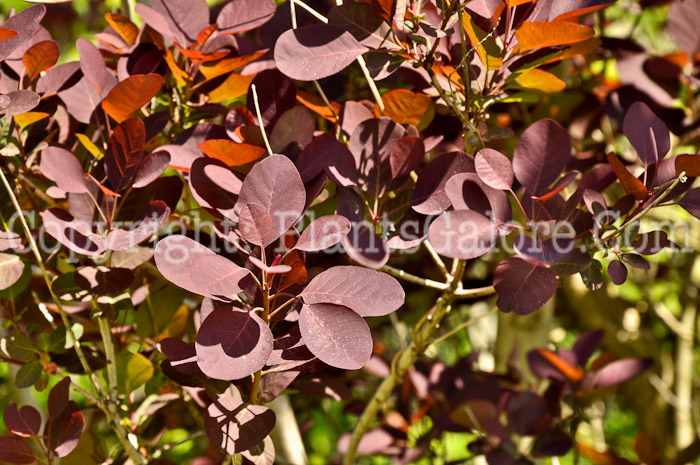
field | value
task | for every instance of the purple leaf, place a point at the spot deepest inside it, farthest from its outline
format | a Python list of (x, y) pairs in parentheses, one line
[(316, 51), (367, 292), (62, 167), (214, 185), (72, 233), (352, 114), (124, 152), (547, 252), (59, 397), (255, 225), (405, 156), (151, 167), (463, 234), (24, 422), (541, 155), (586, 344), (270, 269), (193, 267), (522, 287), (467, 191), (24, 23), (10, 241), (374, 441), (316, 156), (617, 272), (275, 184), (92, 64), (494, 169), (371, 145), (57, 78), (429, 196), (360, 20), (682, 25), (262, 454), (15, 450), (82, 98), (100, 280), (552, 443), (293, 130), (323, 233), (336, 335), (232, 343), (244, 15), (233, 426), (185, 18), (183, 356), (365, 247), (691, 202), (276, 94), (64, 430), (647, 133), (621, 371), (148, 223), (524, 412), (636, 261), (21, 101)]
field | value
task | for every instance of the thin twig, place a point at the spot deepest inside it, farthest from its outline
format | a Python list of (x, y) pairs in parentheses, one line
[(260, 120), (436, 258), (413, 278)]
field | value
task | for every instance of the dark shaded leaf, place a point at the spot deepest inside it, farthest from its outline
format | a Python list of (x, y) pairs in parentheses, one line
[(522, 287), (429, 196), (276, 94), (540, 156), (71, 232), (647, 133), (336, 335), (617, 272), (24, 422), (316, 51), (124, 152), (148, 223), (28, 374), (365, 247), (524, 412), (58, 398), (100, 280), (360, 20), (244, 15), (232, 344), (367, 292), (234, 426), (15, 450), (586, 344), (64, 431), (463, 234)]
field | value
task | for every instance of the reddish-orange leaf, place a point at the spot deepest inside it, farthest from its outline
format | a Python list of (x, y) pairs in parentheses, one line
[(602, 360), (205, 33), (180, 75), (384, 8), (486, 47), (688, 163), (406, 107), (6, 33), (197, 56), (105, 190), (630, 184), (600, 458), (536, 34), (40, 57), (543, 81), (318, 106), (230, 152), (236, 85), (212, 70), (131, 94), (125, 28), (571, 372), (512, 3), (297, 275)]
